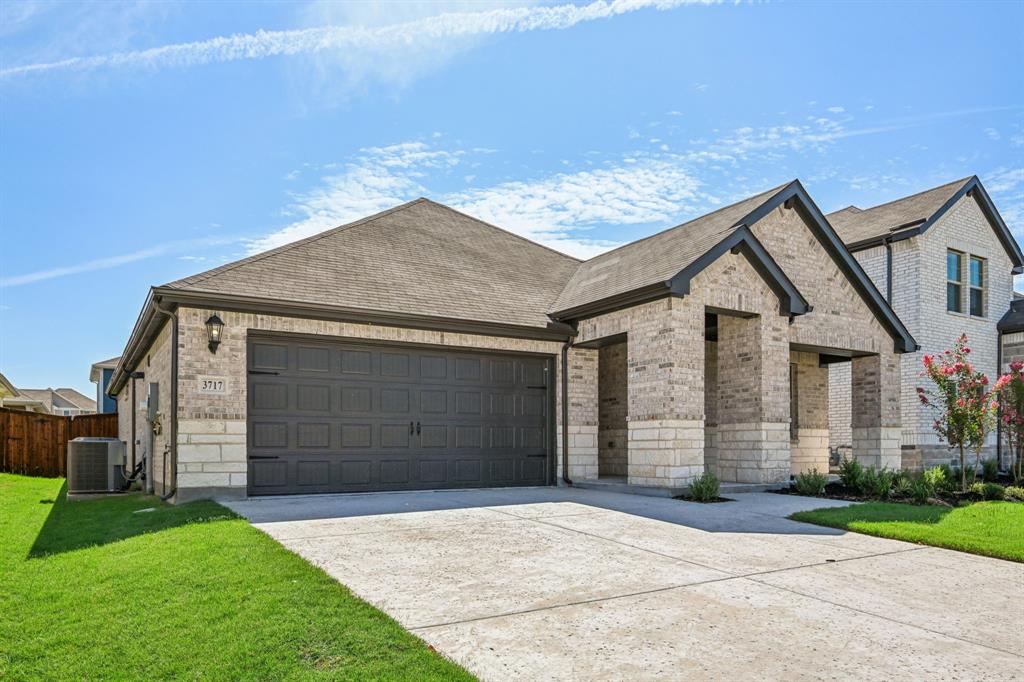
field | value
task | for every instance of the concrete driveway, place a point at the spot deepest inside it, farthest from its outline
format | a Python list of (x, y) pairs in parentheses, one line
[(555, 583)]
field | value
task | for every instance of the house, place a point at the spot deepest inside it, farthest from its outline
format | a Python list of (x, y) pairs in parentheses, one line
[(59, 401), (422, 348), (100, 374), (945, 261), (12, 398)]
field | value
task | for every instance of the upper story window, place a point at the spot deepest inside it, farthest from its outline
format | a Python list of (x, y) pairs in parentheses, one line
[(977, 290), (954, 281)]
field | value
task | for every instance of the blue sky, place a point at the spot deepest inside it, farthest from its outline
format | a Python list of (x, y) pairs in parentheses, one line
[(142, 142)]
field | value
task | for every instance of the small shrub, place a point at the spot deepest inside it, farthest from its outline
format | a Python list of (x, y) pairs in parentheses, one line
[(970, 475), (949, 479), (989, 470), (936, 479), (902, 485), (876, 483), (882, 487), (920, 491), (1013, 493), (850, 473), (867, 481), (704, 488), (992, 491), (811, 483)]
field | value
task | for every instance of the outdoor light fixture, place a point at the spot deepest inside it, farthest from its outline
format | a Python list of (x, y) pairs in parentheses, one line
[(214, 327)]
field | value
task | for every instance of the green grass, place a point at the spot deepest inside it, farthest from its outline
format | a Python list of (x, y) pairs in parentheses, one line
[(989, 528), (92, 590)]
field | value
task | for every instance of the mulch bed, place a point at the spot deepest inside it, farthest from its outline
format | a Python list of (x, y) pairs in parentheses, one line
[(838, 491), (684, 498)]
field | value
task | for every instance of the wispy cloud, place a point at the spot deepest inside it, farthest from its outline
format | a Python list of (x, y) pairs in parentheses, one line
[(112, 261), (653, 185), (427, 30), (558, 209)]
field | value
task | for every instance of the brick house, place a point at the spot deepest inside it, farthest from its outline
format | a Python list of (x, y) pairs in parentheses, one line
[(421, 348), (945, 261)]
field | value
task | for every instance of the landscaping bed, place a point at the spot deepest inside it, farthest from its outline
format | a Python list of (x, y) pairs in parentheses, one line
[(130, 588), (939, 485)]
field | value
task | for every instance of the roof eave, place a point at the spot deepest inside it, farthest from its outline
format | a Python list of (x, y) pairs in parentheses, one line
[(149, 323), (646, 294)]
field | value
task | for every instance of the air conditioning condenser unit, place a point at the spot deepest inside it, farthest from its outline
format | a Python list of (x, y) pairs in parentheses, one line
[(95, 465)]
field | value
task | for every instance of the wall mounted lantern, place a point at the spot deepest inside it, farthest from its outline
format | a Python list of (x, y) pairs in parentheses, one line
[(214, 328)]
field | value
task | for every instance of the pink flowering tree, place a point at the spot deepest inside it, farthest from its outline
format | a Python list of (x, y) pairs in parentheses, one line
[(1010, 391), (966, 407)]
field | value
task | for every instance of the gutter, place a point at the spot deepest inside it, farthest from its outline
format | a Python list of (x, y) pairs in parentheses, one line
[(172, 447)]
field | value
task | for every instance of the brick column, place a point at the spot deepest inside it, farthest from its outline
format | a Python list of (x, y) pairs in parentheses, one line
[(753, 399), (666, 393), (810, 449), (875, 405), (583, 415)]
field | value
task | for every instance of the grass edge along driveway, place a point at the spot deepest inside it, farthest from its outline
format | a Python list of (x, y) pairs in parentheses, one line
[(987, 528), (103, 590)]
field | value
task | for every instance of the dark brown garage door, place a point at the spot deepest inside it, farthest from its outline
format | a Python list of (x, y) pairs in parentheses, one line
[(333, 417)]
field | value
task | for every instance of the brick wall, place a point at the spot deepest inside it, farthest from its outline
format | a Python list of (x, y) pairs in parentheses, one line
[(156, 364), (809, 450), (613, 406), (919, 298)]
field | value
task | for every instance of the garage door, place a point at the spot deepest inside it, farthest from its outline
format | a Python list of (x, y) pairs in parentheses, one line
[(346, 417)]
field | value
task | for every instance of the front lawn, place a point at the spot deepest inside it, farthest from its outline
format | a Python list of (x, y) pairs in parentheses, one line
[(990, 528), (104, 590)]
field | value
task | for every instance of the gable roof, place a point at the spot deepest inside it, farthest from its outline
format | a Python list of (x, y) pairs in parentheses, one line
[(664, 264), (96, 370), (653, 260), (76, 399), (419, 259), (913, 215)]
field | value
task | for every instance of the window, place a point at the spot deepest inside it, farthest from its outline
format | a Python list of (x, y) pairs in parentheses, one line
[(977, 290), (954, 281)]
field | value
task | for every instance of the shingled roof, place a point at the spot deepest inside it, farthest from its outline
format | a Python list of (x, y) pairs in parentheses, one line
[(856, 225), (653, 259), (420, 258)]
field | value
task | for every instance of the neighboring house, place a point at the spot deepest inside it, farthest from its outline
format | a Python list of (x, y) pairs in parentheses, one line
[(422, 348), (100, 374), (945, 260), (60, 401), (12, 398)]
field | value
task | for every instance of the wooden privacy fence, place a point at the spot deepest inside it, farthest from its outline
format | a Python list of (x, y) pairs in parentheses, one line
[(37, 444)]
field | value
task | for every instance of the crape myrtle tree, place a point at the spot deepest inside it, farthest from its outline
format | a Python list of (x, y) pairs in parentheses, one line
[(1010, 392), (961, 397)]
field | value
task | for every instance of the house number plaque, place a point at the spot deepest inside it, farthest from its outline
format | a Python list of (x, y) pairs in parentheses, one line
[(211, 384)]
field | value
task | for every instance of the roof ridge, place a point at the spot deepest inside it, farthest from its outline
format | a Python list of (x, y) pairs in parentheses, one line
[(227, 267), (691, 220), (500, 229), (960, 182)]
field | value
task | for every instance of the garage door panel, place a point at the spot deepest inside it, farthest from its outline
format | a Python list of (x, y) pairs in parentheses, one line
[(268, 356), (335, 417), (395, 400)]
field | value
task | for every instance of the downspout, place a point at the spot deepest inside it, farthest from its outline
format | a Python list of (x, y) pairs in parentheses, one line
[(134, 376), (887, 242), (173, 437), (565, 411)]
